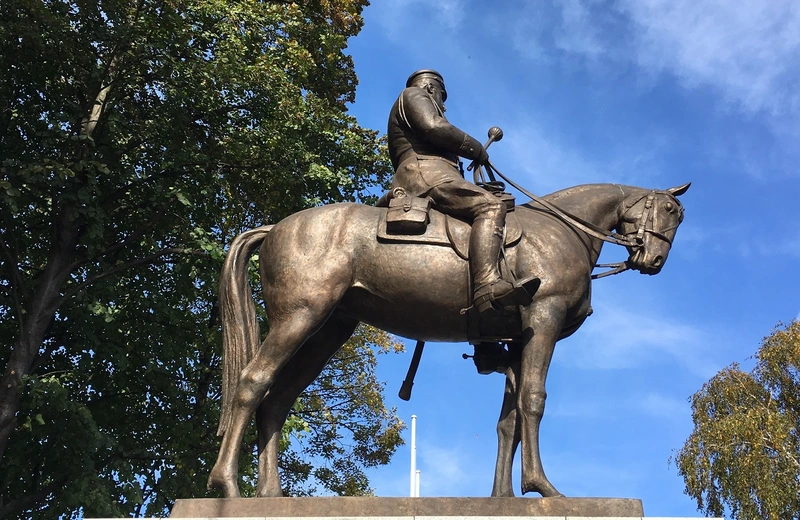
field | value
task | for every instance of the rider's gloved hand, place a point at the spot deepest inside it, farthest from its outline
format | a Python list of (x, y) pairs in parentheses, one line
[(483, 157)]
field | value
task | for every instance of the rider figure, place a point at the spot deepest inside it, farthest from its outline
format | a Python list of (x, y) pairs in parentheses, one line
[(425, 149)]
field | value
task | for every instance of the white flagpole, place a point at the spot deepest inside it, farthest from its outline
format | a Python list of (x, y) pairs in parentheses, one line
[(413, 485)]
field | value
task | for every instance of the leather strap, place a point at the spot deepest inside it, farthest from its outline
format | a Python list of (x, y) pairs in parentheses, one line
[(570, 219)]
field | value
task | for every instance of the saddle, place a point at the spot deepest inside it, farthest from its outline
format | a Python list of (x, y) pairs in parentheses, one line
[(412, 220), (441, 230)]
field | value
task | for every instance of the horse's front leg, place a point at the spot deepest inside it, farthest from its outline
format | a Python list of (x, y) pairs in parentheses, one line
[(544, 320), (508, 434)]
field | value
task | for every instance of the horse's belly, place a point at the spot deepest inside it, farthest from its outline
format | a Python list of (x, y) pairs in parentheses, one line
[(415, 291), (406, 317)]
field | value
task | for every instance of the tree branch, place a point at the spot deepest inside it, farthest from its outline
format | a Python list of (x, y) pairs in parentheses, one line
[(119, 246), (22, 504), (150, 259), (15, 281), (166, 173)]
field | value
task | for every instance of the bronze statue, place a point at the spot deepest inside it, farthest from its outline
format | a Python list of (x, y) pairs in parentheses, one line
[(425, 149), (326, 269)]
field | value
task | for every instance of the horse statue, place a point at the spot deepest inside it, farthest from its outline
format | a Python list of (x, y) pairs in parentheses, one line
[(323, 271)]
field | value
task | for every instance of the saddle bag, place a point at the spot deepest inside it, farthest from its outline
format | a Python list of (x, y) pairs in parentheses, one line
[(407, 215)]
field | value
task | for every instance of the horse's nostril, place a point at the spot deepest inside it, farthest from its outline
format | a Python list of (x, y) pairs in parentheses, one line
[(658, 261)]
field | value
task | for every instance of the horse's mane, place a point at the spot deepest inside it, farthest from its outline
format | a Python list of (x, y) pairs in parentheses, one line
[(572, 191), (574, 195)]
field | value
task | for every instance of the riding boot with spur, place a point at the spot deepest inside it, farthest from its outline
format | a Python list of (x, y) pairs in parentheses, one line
[(490, 289)]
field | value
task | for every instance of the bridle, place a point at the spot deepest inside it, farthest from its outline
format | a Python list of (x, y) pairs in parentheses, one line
[(645, 223), (649, 216), (634, 240)]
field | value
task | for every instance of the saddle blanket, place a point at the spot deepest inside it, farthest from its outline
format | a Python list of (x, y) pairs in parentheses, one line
[(444, 230)]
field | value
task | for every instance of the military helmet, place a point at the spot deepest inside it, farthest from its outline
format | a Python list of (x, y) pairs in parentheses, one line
[(429, 73)]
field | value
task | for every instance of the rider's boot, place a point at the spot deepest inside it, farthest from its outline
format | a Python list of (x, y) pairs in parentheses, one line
[(490, 290)]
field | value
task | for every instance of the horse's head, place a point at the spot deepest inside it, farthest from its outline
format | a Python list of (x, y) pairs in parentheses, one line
[(649, 221)]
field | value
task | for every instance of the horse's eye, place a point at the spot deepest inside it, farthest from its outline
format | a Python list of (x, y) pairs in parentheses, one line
[(669, 206)]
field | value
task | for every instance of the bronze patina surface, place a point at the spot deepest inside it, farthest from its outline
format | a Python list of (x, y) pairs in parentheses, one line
[(323, 271), (425, 149), (406, 507)]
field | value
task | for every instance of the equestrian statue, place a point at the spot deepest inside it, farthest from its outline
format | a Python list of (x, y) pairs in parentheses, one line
[(439, 258)]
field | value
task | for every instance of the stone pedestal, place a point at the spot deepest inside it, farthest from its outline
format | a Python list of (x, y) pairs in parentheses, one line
[(363, 508)]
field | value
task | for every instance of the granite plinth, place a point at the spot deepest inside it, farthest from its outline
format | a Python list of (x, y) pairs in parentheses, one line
[(405, 508)]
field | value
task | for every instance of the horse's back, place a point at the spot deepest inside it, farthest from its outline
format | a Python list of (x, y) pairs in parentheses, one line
[(331, 220), (333, 252), (313, 248)]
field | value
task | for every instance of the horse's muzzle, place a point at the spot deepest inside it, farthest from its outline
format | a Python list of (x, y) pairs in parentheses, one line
[(646, 263)]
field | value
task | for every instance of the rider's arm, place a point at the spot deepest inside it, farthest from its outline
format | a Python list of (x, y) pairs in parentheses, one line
[(426, 120)]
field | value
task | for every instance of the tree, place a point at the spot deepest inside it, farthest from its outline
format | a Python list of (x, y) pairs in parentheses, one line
[(743, 458), (341, 423), (143, 136)]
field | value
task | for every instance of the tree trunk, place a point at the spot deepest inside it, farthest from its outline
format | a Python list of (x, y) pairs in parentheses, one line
[(44, 305), (37, 319), (9, 395)]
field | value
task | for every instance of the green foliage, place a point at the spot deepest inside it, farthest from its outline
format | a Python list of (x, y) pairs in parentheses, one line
[(137, 138), (341, 424), (743, 458)]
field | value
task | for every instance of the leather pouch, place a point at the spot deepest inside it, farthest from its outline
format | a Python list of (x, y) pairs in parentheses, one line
[(407, 215)]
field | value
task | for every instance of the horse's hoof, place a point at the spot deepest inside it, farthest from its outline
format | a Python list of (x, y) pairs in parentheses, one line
[(546, 489), (269, 493), (226, 485), (503, 494)]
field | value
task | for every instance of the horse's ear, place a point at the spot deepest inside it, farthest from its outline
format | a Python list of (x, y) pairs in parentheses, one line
[(679, 190)]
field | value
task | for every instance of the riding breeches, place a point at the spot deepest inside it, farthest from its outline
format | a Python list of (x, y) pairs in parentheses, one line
[(439, 179)]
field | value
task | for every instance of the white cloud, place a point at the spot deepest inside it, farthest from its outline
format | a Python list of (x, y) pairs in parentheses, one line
[(693, 240), (572, 28), (582, 409), (747, 50), (586, 475), (661, 406), (545, 164), (443, 471), (629, 335), (652, 404), (397, 16), (761, 247), (577, 32), (791, 246), (542, 162)]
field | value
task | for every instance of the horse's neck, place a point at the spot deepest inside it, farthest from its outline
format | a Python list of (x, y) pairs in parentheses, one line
[(599, 204), (595, 203)]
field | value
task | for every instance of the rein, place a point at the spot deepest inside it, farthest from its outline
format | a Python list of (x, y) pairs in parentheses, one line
[(648, 215)]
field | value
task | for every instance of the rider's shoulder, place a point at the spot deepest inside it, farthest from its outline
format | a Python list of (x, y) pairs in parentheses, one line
[(415, 94)]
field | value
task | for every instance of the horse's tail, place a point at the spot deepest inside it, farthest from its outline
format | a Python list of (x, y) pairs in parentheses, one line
[(240, 334)]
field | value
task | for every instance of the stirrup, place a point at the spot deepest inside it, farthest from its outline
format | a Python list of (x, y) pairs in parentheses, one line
[(518, 293)]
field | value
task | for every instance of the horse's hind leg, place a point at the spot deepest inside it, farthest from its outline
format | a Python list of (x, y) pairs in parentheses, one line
[(292, 379), (508, 434), (287, 334)]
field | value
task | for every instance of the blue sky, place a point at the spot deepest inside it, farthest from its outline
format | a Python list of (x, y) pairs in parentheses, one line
[(643, 92)]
